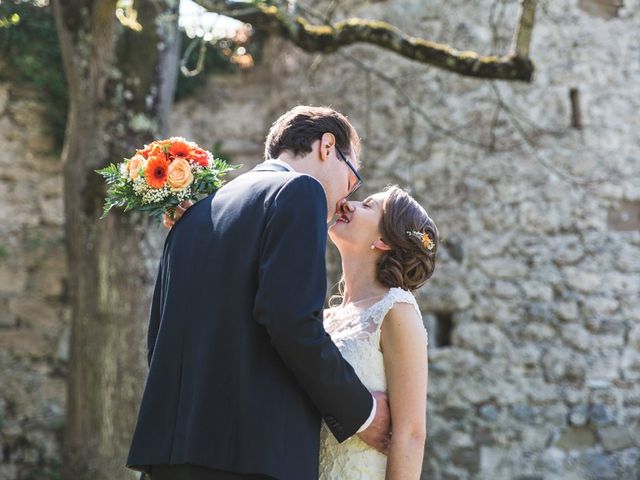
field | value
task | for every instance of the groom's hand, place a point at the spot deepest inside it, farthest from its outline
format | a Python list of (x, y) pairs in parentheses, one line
[(378, 434), (170, 221)]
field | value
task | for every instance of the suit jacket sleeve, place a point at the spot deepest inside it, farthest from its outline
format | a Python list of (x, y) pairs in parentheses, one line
[(289, 303), (154, 313)]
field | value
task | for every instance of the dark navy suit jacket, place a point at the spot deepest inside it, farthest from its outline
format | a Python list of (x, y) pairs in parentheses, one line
[(241, 370)]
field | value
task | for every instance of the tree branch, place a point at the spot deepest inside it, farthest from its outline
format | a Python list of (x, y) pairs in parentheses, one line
[(525, 27), (330, 38)]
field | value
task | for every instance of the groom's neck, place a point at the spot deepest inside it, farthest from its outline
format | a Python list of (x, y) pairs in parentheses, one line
[(310, 164), (302, 164)]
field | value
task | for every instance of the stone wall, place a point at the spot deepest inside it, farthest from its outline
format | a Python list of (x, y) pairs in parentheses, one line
[(534, 310), (34, 318)]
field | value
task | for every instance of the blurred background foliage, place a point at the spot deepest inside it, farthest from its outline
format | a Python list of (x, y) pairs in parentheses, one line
[(30, 55)]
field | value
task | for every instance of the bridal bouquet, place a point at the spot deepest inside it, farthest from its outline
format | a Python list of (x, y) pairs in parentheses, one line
[(161, 175)]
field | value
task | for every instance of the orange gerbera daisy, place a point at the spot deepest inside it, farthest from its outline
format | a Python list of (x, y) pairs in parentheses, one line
[(179, 149), (199, 156), (156, 173), (154, 148), (145, 151)]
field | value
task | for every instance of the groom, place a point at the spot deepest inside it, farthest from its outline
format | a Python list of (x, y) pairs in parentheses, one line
[(241, 370)]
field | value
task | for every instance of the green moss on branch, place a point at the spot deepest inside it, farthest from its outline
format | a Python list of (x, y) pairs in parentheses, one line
[(330, 38)]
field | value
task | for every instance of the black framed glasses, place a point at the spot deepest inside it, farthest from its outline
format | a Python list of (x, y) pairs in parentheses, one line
[(359, 180)]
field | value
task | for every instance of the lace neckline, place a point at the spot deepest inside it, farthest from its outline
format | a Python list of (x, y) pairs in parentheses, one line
[(350, 306)]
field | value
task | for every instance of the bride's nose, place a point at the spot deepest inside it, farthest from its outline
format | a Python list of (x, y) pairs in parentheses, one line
[(342, 204), (347, 206)]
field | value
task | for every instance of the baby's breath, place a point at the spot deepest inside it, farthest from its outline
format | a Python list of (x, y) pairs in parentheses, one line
[(124, 170)]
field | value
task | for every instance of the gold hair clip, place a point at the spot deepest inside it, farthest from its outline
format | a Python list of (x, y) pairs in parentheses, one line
[(424, 238)]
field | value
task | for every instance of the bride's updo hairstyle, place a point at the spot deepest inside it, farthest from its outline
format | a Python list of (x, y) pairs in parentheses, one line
[(413, 237)]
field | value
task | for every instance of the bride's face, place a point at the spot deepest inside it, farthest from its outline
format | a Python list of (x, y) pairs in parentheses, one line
[(358, 227)]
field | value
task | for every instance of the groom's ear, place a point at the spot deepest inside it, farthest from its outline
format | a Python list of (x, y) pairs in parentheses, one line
[(327, 144)]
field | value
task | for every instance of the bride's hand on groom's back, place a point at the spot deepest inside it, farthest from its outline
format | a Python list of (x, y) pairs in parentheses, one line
[(168, 221), (378, 434)]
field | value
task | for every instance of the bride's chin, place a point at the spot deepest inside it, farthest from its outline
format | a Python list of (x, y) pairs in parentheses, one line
[(334, 227), (335, 238)]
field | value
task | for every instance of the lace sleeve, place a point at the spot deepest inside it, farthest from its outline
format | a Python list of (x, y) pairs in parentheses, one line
[(379, 312)]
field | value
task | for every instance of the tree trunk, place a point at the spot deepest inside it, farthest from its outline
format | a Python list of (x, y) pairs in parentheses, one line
[(121, 85)]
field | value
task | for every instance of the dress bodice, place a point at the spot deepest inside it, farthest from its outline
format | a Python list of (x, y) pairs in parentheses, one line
[(356, 332)]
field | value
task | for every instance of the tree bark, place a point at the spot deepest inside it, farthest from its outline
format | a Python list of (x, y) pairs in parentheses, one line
[(121, 85), (330, 38)]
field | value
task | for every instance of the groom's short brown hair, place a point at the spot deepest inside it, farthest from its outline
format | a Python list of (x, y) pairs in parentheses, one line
[(297, 129)]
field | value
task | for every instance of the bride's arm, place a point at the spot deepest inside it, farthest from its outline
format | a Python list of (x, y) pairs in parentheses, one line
[(404, 343)]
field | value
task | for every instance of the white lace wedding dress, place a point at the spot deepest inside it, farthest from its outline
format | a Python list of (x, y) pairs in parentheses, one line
[(356, 332)]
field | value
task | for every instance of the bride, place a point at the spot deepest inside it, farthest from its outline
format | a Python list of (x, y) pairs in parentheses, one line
[(388, 247)]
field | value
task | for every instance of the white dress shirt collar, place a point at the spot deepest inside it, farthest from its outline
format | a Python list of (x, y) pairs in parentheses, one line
[(283, 164)]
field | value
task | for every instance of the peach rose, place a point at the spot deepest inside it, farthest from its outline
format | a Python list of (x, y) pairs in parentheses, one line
[(179, 175), (134, 165)]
